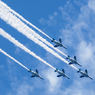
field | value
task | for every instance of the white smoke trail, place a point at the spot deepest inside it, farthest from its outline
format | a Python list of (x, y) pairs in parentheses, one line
[(13, 59), (26, 20), (11, 39), (33, 32), (20, 26)]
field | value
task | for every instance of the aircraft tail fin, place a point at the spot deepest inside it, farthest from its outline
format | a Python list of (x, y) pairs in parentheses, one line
[(68, 57)]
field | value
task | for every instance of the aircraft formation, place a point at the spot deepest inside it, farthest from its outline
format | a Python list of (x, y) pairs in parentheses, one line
[(21, 27), (62, 73)]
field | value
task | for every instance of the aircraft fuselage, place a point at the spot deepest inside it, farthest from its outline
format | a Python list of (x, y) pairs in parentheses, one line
[(36, 74), (57, 43), (62, 74), (74, 61), (85, 74)]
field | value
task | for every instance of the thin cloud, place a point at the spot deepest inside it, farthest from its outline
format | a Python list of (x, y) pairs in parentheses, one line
[(80, 36)]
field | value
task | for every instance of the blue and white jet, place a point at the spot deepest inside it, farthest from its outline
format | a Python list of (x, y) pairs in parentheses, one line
[(73, 61), (58, 43), (61, 73), (84, 74), (35, 74)]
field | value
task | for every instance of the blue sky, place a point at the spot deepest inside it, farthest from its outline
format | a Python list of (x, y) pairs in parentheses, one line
[(71, 20)]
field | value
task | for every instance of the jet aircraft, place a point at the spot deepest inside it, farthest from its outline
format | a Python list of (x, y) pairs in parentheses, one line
[(61, 73), (58, 43), (84, 74), (73, 61), (35, 74)]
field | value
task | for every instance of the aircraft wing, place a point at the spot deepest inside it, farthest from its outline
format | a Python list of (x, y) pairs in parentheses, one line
[(36, 71), (86, 71), (70, 63), (75, 58), (56, 45), (81, 76), (60, 40), (33, 76), (59, 75)]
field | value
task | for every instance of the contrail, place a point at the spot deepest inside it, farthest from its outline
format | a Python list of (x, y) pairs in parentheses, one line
[(33, 32), (20, 26), (25, 20), (11, 39), (13, 59)]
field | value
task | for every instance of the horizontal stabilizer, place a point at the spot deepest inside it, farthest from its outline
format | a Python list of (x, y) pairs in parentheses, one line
[(56, 70), (29, 70), (68, 57), (52, 40), (78, 70)]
